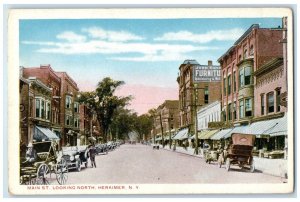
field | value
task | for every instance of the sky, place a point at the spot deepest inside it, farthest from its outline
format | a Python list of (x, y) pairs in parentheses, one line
[(144, 53)]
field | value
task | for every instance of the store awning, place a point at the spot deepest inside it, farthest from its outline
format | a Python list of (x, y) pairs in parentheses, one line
[(238, 129), (157, 139), (209, 134), (273, 127), (183, 134), (45, 134), (220, 135)]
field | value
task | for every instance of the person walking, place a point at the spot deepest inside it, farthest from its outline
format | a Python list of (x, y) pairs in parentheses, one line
[(92, 154)]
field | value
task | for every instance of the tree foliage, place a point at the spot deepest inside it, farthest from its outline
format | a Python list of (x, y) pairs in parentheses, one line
[(104, 103)]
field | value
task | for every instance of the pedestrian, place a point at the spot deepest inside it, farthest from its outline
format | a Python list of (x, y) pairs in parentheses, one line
[(31, 155), (92, 154)]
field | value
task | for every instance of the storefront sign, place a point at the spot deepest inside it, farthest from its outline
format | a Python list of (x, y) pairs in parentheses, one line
[(204, 73)]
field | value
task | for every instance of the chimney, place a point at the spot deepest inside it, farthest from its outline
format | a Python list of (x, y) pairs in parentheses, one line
[(209, 63)]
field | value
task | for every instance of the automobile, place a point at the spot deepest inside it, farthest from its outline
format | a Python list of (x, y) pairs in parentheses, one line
[(75, 156), (101, 148)]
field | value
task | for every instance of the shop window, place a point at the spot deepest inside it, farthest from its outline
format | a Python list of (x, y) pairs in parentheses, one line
[(229, 84), (206, 94), (248, 107), (241, 110), (278, 100), (270, 102), (262, 104)]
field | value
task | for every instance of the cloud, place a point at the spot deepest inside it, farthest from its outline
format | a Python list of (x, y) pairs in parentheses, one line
[(71, 36), (218, 35), (103, 42), (99, 33)]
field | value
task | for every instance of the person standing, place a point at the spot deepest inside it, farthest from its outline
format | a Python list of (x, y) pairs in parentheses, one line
[(31, 155), (92, 154)]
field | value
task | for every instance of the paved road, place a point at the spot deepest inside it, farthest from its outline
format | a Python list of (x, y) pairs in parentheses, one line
[(141, 164)]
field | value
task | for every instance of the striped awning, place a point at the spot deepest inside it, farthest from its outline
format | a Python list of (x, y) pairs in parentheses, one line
[(220, 135), (44, 134), (182, 134)]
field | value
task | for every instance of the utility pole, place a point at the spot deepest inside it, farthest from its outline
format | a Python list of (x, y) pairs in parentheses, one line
[(162, 131), (196, 119), (170, 146)]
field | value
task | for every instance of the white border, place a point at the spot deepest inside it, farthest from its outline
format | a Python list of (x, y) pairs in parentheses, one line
[(141, 13)]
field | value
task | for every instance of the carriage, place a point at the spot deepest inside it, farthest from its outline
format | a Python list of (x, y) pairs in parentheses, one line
[(46, 164), (240, 151)]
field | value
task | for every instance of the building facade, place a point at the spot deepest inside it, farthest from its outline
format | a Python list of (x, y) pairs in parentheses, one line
[(47, 76), (69, 110), (210, 113), (166, 121), (195, 94), (249, 53)]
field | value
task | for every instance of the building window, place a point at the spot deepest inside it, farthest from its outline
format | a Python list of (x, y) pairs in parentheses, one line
[(245, 76), (278, 100), (229, 111), (43, 109), (37, 108), (270, 102), (245, 54), (206, 94), (241, 78), (241, 104), (224, 84), (248, 107), (262, 103), (229, 84), (224, 115), (68, 101), (76, 122), (48, 108), (240, 58), (234, 110), (68, 120), (251, 53), (76, 107), (234, 82)]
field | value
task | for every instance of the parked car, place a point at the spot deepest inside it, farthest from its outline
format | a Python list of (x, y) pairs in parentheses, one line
[(101, 148), (75, 156)]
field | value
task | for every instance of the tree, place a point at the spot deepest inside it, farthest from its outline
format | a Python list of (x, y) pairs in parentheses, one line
[(104, 103), (144, 125)]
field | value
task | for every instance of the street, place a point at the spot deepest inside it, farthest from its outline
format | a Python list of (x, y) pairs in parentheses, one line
[(141, 164)]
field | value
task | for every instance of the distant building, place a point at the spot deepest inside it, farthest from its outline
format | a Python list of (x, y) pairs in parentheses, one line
[(166, 120), (196, 93)]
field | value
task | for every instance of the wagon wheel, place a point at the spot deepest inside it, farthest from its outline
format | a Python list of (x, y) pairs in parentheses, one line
[(61, 171), (252, 166), (227, 164), (42, 175)]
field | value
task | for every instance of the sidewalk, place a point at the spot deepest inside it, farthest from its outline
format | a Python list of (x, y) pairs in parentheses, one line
[(276, 167)]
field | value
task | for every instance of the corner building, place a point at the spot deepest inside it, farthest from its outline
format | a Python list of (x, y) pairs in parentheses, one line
[(191, 97), (249, 53)]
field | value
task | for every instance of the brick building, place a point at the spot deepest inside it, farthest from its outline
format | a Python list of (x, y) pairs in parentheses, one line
[(240, 64), (193, 95), (69, 110), (167, 118), (47, 76)]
